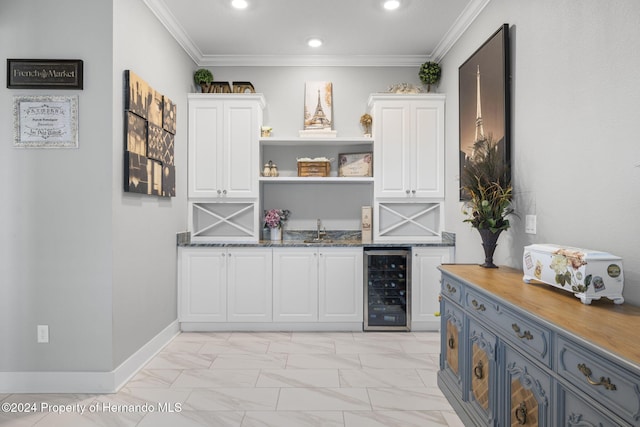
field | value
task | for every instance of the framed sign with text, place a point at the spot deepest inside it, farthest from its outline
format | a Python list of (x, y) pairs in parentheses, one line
[(45, 121), (44, 73)]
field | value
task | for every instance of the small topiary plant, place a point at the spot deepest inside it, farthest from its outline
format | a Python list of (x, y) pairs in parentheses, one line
[(203, 78), (430, 74)]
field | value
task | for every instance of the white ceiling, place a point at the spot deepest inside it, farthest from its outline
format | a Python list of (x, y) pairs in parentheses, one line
[(355, 32)]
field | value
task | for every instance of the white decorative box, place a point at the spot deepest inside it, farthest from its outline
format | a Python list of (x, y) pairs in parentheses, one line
[(590, 275)]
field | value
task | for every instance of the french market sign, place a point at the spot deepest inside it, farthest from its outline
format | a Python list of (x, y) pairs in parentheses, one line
[(44, 73)]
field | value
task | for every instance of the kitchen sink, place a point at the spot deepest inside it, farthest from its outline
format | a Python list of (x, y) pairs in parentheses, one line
[(318, 241)]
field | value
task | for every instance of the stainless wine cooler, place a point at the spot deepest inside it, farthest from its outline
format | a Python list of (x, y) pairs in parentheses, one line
[(387, 290)]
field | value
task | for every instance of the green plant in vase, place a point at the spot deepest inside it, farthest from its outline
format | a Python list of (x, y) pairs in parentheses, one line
[(487, 190), (203, 78), (429, 74)]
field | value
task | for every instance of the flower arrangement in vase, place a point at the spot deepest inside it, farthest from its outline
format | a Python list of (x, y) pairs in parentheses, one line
[(274, 220), (487, 186)]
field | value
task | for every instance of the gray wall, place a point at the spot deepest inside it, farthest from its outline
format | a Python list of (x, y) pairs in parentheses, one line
[(56, 235), (144, 227), (96, 265), (575, 133)]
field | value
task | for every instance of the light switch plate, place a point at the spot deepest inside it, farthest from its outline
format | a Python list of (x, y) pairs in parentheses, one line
[(43, 333), (530, 224)]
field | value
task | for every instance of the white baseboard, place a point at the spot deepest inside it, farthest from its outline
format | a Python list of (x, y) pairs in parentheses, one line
[(271, 326), (87, 382)]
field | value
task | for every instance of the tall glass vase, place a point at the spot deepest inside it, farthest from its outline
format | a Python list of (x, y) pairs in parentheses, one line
[(489, 243)]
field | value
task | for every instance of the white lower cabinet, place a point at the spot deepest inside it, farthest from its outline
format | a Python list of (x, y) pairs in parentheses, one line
[(249, 285), (317, 285), (202, 292), (225, 285), (295, 285), (340, 288), (425, 285)]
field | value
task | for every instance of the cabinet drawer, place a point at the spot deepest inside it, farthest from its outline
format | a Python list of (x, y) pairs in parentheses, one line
[(452, 289), (524, 333), (527, 391), (611, 385), (574, 411)]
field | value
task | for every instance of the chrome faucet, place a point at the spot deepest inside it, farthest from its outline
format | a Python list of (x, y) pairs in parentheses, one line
[(321, 233)]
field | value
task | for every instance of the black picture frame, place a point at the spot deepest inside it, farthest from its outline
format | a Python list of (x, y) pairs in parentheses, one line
[(488, 72), (45, 73)]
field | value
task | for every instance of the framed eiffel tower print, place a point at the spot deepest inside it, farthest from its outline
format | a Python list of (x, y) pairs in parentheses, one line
[(484, 91), (318, 110)]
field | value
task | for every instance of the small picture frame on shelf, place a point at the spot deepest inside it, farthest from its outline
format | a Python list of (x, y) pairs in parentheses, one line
[(355, 164)]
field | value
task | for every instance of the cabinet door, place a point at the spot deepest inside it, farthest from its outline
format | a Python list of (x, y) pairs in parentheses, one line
[(202, 289), (205, 148), (425, 286), (527, 391), (427, 148), (481, 373), (391, 149), (295, 285), (340, 285), (240, 164), (249, 285)]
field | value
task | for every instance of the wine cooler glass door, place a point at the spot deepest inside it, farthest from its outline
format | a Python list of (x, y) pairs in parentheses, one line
[(387, 290)]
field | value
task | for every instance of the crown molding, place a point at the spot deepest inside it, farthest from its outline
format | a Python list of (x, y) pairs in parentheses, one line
[(312, 60), (164, 15), (459, 27)]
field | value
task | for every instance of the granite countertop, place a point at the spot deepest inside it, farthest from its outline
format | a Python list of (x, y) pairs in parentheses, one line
[(332, 239)]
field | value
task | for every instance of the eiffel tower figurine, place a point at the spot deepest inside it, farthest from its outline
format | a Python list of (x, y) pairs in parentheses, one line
[(319, 119)]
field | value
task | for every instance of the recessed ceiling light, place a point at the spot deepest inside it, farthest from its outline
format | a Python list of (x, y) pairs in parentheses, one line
[(314, 42), (391, 4), (239, 4)]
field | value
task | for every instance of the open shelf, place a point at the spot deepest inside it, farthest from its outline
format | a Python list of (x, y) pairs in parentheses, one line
[(318, 179), (291, 141)]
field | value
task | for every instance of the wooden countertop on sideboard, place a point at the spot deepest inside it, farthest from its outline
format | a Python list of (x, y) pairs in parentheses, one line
[(613, 328)]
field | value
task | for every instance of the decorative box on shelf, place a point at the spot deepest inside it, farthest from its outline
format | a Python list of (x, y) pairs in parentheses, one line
[(589, 274), (314, 168)]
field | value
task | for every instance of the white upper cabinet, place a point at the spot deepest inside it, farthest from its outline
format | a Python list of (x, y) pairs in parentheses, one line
[(408, 131), (223, 145)]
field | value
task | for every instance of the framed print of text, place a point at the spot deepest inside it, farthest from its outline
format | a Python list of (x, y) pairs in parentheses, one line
[(45, 121)]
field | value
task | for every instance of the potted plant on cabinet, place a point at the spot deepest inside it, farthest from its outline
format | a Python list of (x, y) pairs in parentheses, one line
[(486, 186), (203, 78), (430, 74)]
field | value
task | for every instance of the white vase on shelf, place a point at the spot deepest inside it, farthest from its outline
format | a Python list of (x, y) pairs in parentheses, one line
[(275, 234)]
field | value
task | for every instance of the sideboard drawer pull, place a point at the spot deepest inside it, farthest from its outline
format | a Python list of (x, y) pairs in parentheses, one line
[(478, 370), (521, 414), (606, 382), (451, 289), (479, 307), (451, 342), (525, 334)]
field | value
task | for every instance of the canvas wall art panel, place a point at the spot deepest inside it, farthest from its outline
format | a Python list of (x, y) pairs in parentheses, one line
[(154, 142), (136, 179), (318, 106), (168, 115), (484, 82), (137, 94), (136, 134)]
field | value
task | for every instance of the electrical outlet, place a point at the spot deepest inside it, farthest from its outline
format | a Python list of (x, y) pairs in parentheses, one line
[(43, 333), (530, 224)]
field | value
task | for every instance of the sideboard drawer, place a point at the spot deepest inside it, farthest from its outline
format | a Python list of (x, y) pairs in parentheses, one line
[(611, 385), (573, 411), (524, 333), (452, 289)]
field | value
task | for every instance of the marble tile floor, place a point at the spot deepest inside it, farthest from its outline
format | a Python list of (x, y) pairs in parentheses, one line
[(265, 379)]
